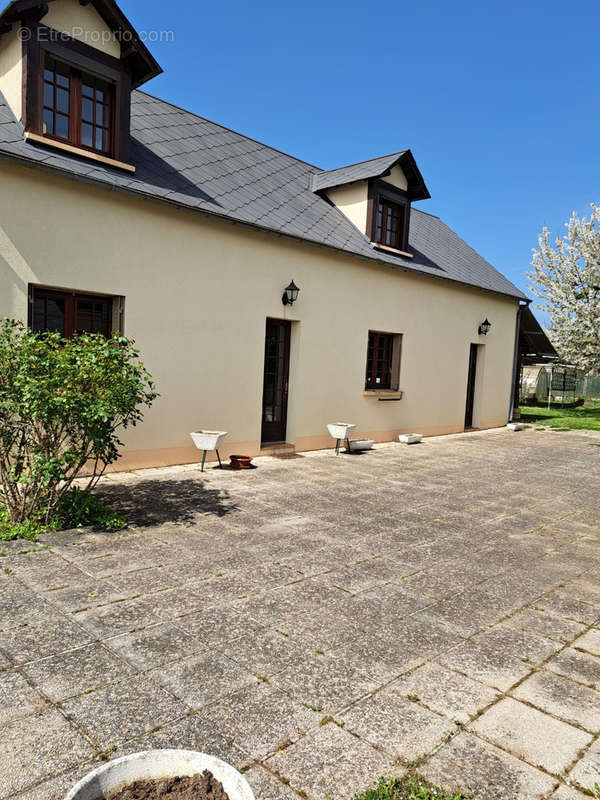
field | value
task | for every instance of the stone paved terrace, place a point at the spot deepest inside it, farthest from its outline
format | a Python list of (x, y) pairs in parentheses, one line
[(436, 602)]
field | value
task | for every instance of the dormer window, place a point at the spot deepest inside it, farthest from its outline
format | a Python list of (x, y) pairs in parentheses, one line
[(390, 223), (376, 196), (73, 65), (77, 107), (388, 216)]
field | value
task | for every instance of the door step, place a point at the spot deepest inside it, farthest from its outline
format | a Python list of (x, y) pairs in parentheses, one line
[(282, 450)]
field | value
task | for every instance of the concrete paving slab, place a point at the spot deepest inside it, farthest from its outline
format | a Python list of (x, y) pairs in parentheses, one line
[(326, 682), (38, 747), (267, 786), (265, 719), (499, 657), (546, 624), (568, 700), (330, 762), (586, 772), (76, 671), (579, 666), (123, 710), (401, 728), (155, 645), (17, 697), (453, 695), (567, 793), (483, 771), (202, 678), (535, 737), (590, 641)]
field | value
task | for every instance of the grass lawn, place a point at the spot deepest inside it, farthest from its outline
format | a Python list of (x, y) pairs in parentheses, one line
[(586, 418)]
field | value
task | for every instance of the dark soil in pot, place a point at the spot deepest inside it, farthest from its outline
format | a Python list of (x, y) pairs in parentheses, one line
[(195, 787)]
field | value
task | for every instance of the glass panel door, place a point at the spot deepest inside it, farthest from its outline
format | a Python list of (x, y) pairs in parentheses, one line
[(275, 381)]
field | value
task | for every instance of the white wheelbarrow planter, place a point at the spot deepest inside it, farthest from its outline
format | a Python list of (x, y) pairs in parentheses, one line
[(339, 431), (208, 440), (358, 445), (410, 438), (114, 776)]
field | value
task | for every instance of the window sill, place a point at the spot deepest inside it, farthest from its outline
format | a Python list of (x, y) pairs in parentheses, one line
[(35, 138), (387, 249), (384, 394)]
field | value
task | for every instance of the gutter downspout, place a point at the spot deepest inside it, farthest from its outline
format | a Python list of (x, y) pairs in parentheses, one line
[(515, 376)]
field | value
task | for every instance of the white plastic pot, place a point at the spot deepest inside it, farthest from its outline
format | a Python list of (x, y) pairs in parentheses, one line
[(340, 430), (361, 444), (208, 440), (516, 426), (410, 438), (149, 764)]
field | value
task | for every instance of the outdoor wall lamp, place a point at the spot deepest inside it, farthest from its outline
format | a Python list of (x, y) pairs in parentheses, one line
[(290, 294), (485, 326)]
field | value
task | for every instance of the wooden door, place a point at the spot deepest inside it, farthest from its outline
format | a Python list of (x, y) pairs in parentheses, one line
[(275, 382), (472, 375)]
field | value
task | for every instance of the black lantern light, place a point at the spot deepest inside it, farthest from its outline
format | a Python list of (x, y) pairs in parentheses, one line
[(485, 326), (290, 294)]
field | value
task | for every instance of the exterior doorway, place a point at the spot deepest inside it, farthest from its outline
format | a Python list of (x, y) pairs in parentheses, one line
[(275, 381), (471, 379)]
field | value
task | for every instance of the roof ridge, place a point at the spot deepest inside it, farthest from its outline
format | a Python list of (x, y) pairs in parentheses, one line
[(365, 161), (231, 130)]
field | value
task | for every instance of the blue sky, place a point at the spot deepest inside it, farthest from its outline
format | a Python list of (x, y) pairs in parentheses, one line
[(497, 100)]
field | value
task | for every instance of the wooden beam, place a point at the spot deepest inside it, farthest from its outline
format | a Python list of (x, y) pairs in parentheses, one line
[(78, 151)]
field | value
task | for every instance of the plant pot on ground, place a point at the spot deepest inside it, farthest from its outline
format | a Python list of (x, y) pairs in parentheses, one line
[(186, 774), (240, 462)]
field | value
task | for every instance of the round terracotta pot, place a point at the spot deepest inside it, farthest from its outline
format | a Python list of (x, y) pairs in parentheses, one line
[(240, 462)]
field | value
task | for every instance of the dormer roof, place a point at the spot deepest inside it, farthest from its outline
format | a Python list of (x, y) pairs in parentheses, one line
[(140, 61), (378, 167)]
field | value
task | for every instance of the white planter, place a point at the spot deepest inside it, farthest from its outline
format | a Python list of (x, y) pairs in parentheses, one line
[(340, 430), (410, 438), (158, 764), (362, 444), (516, 426), (208, 440)]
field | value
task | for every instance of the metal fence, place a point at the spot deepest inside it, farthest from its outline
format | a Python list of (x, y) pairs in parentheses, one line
[(556, 384), (590, 387)]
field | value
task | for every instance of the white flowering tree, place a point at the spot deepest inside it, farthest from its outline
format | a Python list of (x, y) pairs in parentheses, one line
[(566, 276)]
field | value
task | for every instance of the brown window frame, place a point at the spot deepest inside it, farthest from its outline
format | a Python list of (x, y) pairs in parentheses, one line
[(389, 226), (71, 302), (42, 41), (390, 197), (385, 342), (80, 84)]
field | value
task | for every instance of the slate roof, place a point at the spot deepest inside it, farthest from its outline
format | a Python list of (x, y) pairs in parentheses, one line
[(373, 168), (186, 160)]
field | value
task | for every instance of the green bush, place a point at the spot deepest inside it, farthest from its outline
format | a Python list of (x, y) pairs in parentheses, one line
[(20, 530), (76, 509), (62, 405)]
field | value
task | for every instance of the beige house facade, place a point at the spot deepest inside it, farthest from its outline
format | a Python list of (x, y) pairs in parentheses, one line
[(184, 235)]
